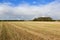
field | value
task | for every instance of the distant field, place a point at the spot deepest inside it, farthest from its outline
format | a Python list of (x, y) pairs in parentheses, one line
[(29, 30)]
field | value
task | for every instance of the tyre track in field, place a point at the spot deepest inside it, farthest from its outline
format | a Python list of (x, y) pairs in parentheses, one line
[(25, 35), (40, 36), (10, 31), (19, 34), (44, 37), (0, 30), (4, 34)]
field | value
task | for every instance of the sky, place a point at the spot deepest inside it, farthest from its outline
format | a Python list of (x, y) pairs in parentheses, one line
[(29, 9)]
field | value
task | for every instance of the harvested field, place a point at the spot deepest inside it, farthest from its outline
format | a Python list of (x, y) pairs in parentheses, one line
[(29, 30)]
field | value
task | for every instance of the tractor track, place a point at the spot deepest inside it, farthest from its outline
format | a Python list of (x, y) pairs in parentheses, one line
[(4, 33), (11, 31)]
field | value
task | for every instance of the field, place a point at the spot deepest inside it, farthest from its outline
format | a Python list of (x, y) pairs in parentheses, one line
[(29, 30)]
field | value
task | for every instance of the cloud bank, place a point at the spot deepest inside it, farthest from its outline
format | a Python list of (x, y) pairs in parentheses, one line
[(26, 11)]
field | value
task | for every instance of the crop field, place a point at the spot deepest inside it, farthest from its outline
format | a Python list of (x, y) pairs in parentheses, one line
[(29, 30)]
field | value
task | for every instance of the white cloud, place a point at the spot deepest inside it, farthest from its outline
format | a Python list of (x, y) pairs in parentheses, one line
[(49, 9), (52, 9), (4, 8)]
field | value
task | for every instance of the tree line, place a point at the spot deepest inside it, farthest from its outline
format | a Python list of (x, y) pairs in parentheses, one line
[(36, 19), (44, 19)]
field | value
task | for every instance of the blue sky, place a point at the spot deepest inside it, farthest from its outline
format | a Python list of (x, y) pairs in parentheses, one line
[(31, 2), (29, 9)]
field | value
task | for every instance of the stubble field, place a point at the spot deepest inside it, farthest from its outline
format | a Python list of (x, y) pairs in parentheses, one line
[(29, 30)]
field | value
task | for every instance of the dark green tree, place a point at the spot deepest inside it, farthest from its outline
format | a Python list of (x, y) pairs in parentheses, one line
[(43, 19)]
